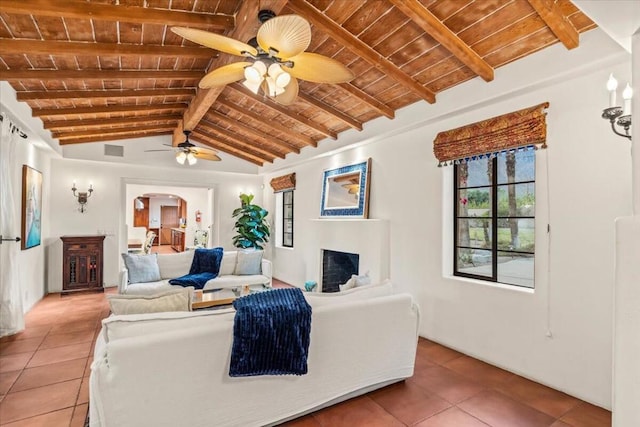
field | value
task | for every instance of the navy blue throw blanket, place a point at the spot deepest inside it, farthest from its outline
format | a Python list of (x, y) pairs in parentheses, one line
[(204, 267), (271, 334)]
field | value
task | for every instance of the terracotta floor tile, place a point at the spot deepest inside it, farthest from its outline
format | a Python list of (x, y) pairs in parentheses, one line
[(20, 346), (479, 371), (38, 401), (33, 332), (79, 415), (544, 399), (65, 328), (60, 354), (559, 423), (447, 384), (438, 354), (7, 379), (360, 411), (59, 340), (587, 415), (14, 362), (49, 374), (499, 410), (87, 367), (306, 421), (452, 417), (59, 418), (83, 394), (408, 402)]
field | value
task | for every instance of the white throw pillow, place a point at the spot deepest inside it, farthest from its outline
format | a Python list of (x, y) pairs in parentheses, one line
[(362, 280), (141, 267), (316, 299), (228, 264), (249, 263), (173, 300), (351, 283), (175, 264)]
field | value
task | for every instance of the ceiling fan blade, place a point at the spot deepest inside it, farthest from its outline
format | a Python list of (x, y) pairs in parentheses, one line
[(224, 75), (214, 41), (205, 155), (151, 151), (290, 93), (319, 69), (290, 35)]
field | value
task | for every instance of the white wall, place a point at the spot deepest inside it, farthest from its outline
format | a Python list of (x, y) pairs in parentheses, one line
[(107, 207), (587, 186)]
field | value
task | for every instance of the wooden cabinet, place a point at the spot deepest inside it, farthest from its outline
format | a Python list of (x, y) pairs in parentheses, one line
[(177, 240), (82, 258)]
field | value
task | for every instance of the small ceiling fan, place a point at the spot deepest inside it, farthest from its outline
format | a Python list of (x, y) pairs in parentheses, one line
[(277, 55), (186, 151)]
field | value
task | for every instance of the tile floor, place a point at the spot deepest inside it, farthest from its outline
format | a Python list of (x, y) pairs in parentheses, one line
[(44, 382)]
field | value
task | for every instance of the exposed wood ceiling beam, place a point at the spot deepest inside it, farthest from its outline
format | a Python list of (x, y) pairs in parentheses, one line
[(234, 141), (247, 27), (419, 14), (89, 123), (92, 94), (123, 13), (56, 47), (98, 75), (99, 132), (349, 121), (551, 14), (357, 46), (257, 133), (368, 99), (268, 123), (108, 138), (228, 148), (230, 137), (282, 110), (40, 112)]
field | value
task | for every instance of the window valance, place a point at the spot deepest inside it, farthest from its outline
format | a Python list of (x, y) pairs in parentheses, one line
[(283, 183), (520, 129)]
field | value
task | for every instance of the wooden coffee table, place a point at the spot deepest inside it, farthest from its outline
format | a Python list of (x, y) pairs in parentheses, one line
[(213, 299)]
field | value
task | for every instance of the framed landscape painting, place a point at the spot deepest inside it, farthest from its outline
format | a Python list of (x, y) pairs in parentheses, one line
[(31, 207)]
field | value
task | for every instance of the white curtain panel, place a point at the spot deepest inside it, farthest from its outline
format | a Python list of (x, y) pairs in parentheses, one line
[(11, 312)]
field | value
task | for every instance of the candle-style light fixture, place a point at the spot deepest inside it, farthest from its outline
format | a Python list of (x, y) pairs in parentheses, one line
[(618, 116), (82, 196)]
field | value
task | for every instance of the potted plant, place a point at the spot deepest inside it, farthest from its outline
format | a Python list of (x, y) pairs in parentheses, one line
[(251, 224)]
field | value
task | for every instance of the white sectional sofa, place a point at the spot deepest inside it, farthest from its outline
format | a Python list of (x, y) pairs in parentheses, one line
[(178, 264), (171, 369)]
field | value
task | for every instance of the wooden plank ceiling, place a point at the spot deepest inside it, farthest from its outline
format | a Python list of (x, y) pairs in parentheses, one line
[(104, 70)]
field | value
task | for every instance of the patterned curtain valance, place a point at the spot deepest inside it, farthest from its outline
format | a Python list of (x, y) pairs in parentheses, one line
[(522, 128), (284, 183)]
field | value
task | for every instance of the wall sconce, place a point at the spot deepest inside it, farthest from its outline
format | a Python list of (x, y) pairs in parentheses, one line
[(616, 114), (82, 196)]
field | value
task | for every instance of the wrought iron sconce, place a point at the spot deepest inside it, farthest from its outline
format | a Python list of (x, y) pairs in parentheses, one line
[(82, 196), (616, 114)]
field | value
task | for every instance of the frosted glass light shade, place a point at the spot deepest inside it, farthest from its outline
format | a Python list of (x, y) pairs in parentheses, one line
[(181, 157), (191, 159)]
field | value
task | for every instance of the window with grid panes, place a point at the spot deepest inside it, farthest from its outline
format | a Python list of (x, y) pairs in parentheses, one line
[(494, 218), (287, 218)]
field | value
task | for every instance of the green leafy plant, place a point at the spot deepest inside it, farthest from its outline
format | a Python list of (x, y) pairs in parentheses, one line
[(251, 224)]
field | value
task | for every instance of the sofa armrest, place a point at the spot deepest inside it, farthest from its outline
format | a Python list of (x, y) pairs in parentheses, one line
[(124, 281), (267, 270)]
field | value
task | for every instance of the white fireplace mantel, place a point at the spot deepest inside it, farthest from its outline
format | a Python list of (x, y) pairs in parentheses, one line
[(369, 238)]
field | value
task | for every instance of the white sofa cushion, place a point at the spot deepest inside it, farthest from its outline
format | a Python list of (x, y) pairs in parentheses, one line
[(248, 262), (228, 264), (317, 299), (142, 267), (172, 300), (175, 265)]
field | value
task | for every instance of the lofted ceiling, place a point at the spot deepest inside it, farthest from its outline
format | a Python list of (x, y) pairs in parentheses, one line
[(105, 70)]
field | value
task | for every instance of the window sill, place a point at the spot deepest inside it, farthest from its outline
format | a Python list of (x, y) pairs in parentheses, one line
[(494, 285)]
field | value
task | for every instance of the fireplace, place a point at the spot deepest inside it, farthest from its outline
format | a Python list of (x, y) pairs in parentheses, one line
[(337, 268)]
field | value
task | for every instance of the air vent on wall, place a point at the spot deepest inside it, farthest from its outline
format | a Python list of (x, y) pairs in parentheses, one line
[(114, 150)]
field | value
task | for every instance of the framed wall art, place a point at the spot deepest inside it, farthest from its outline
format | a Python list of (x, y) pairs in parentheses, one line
[(345, 191), (31, 207)]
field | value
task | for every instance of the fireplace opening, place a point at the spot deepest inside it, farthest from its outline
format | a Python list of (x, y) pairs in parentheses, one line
[(337, 268)]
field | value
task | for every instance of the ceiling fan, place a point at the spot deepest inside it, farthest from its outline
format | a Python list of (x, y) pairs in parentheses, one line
[(277, 55), (186, 151)]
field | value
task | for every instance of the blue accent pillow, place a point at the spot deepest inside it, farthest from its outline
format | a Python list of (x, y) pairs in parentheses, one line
[(196, 280), (207, 261), (142, 268)]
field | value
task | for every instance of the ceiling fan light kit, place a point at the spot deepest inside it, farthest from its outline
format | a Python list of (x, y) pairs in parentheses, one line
[(278, 54)]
